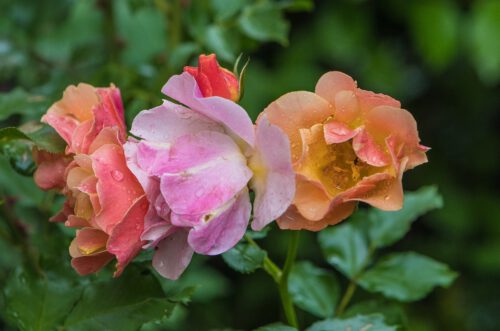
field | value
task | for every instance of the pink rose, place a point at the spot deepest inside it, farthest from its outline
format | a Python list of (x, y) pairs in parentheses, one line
[(195, 163), (104, 199)]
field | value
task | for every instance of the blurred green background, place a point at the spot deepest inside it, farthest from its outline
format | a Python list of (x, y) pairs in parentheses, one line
[(441, 58)]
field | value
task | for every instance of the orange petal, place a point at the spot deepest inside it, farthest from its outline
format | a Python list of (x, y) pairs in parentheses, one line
[(297, 110), (90, 241), (86, 265), (332, 83)]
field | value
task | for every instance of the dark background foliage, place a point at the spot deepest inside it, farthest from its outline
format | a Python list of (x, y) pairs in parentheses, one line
[(441, 58)]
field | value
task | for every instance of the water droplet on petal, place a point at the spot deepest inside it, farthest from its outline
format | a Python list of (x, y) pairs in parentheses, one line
[(117, 175)]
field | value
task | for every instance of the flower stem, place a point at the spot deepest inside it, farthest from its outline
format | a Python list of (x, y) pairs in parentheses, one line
[(281, 276), (283, 283), (346, 298)]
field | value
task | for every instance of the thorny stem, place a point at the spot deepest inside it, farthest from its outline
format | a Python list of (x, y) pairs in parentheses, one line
[(281, 276)]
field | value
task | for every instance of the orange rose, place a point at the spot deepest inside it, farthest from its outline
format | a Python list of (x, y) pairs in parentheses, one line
[(348, 145)]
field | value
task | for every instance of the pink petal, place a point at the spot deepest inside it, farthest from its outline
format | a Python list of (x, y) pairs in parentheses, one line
[(204, 171), (338, 132), (184, 89), (332, 83), (125, 242), (86, 265), (117, 187), (170, 121), (274, 178), (223, 230), (173, 255), (369, 151)]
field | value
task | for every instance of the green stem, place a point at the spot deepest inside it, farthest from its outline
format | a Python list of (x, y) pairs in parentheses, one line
[(175, 23), (346, 298), (281, 276), (283, 283)]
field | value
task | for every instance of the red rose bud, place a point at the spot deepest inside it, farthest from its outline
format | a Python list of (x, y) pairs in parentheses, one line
[(213, 80)]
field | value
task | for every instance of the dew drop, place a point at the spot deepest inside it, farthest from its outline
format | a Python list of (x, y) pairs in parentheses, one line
[(117, 175)]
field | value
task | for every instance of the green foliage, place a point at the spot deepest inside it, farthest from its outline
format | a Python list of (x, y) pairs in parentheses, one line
[(18, 101), (264, 21), (484, 41), (39, 303), (373, 322), (245, 257), (57, 301), (276, 327), (345, 247), (143, 32), (17, 145), (314, 289), (393, 313), (385, 228), (111, 305), (436, 23), (406, 276)]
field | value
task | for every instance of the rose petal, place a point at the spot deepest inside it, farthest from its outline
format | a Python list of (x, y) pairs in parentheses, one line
[(117, 187), (274, 178), (338, 132), (332, 83), (184, 89), (90, 241), (170, 121), (173, 255), (125, 242), (86, 265), (369, 151), (223, 230), (293, 220), (297, 110), (204, 171)]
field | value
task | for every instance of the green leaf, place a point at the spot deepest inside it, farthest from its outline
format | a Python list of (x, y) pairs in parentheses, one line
[(387, 227), (47, 139), (122, 304), (406, 276), (222, 41), (258, 234), (373, 322), (484, 41), (297, 5), (226, 9), (18, 101), (345, 247), (180, 56), (276, 327), (436, 22), (17, 147), (34, 303), (144, 32), (264, 22), (19, 186), (393, 313), (245, 257), (314, 289)]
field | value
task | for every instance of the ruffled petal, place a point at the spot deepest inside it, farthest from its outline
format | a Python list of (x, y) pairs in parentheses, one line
[(184, 89), (297, 110), (332, 83), (221, 231), (274, 178)]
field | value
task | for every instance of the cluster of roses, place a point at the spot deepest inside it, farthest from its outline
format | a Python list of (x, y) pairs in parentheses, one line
[(180, 184)]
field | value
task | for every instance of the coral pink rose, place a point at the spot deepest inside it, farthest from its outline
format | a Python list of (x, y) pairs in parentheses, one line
[(348, 145), (213, 80), (104, 199), (195, 162)]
